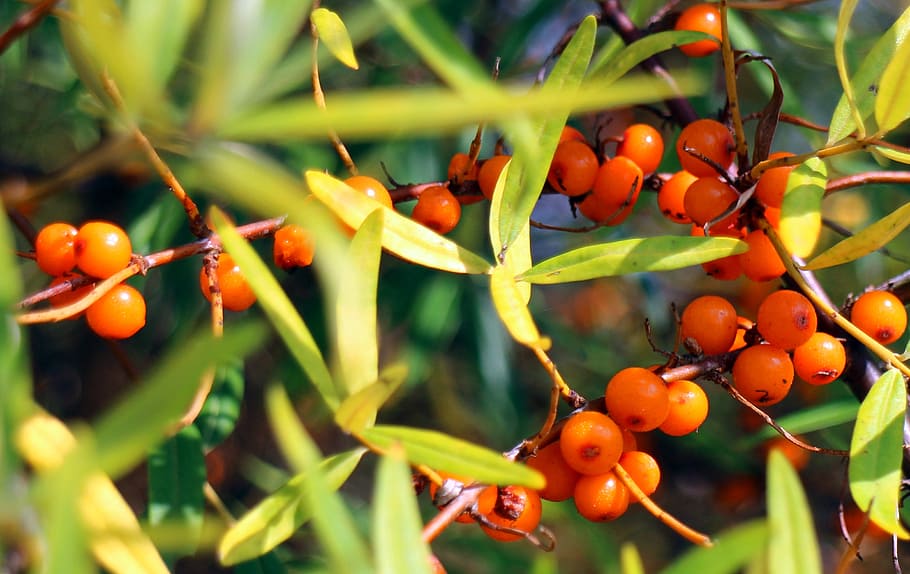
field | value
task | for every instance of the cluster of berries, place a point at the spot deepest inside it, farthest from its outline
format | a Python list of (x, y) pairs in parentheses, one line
[(98, 249)]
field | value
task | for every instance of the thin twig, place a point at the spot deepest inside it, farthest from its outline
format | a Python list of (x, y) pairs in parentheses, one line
[(25, 22)]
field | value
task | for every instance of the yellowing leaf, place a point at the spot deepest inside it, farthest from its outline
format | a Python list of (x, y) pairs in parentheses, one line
[(517, 255), (358, 411), (801, 218), (892, 102), (334, 34), (511, 307), (865, 242)]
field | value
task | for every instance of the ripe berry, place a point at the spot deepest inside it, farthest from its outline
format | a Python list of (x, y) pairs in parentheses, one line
[(54, 249), (786, 319), (591, 442), (688, 408), (570, 133), (726, 268), (371, 187), (601, 497), (707, 198), (819, 360), (118, 314), (771, 185), (881, 315), (489, 174), (706, 138), (561, 477), (642, 144), (637, 399), (293, 247), (236, 293), (615, 191), (761, 262), (700, 18), (743, 326), (643, 469), (516, 507), (437, 209), (68, 297), (102, 249), (763, 374), (671, 196), (573, 168), (711, 321), (459, 169)]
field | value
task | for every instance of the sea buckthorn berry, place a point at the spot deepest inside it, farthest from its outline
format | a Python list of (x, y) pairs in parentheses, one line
[(54, 248), (102, 249), (711, 321), (786, 319), (643, 469), (118, 314), (293, 247), (489, 174), (819, 360), (671, 195), (700, 18), (236, 293), (763, 374), (772, 184), (688, 408), (485, 501), (573, 168), (706, 138), (724, 269), (772, 214), (518, 508), (68, 297), (637, 399), (642, 144), (569, 133), (629, 442), (591, 442), (761, 262), (561, 477), (707, 198), (437, 209), (743, 326), (458, 168), (881, 315), (371, 187), (601, 497), (615, 191)]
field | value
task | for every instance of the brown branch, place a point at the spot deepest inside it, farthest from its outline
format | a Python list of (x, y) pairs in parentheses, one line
[(25, 22)]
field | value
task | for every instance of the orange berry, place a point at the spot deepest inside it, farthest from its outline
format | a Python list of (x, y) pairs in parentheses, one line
[(643, 469), (881, 315), (743, 326), (615, 191), (761, 262), (688, 408), (236, 293), (819, 360), (561, 477), (118, 314), (707, 198), (55, 253), (671, 196), (489, 174), (573, 168), (570, 133), (637, 399), (763, 374), (437, 209), (772, 184), (711, 321), (786, 319), (706, 138), (484, 503), (68, 297), (726, 268), (102, 249), (700, 18), (518, 508), (590, 442), (629, 442), (642, 144), (371, 187), (601, 497), (797, 456), (461, 168), (293, 247)]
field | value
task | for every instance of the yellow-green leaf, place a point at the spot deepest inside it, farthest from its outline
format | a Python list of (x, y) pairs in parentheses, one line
[(844, 16), (792, 547), (801, 218), (732, 550), (892, 154), (512, 309), (865, 242), (892, 101), (517, 255), (358, 411), (334, 34)]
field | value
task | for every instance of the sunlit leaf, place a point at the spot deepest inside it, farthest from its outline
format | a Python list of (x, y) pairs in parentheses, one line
[(334, 35), (844, 16), (893, 154), (221, 410), (157, 32), (630, 559), (876, 452), (397, 526), (640, 50), (631, 256), (864, 242), (792, 547), (517, 257), (801, 218), (510, 305), (447, 453), (289, 432), (358, 411), (733, 549), (892, 102)]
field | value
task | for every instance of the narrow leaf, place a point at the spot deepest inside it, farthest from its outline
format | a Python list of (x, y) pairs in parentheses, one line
[(397, 526), (334, 35), (517, 257), (732, 550), (892, 154), (801, 218), (892, 102), (631, 256), (876, 451), (630, 559), (221, 410), (868, 240), (358, 411), (157, 32), (640, 50), (446, 453), (809, 419), (510, 305), (793, 547), (847, 7), (289, 432), (769, 117)]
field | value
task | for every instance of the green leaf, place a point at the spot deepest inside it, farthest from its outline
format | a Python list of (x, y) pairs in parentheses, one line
[(358, 411), (617, 66), (334, 34), (62, 521), (517, 257), (626, 256), (125, 433), (221, 410), (733, 549), (809, 419), (792, 547), (510, 305), (847, 7), (530, 164), (289, 432), (449, 454), (278, 516), (400, 235), (630, 559), (281, 312), (176, 472), (157, 33), (892, 102), (868, 240), (801, 218), (892, 154), (397, 526), (876, 451)]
